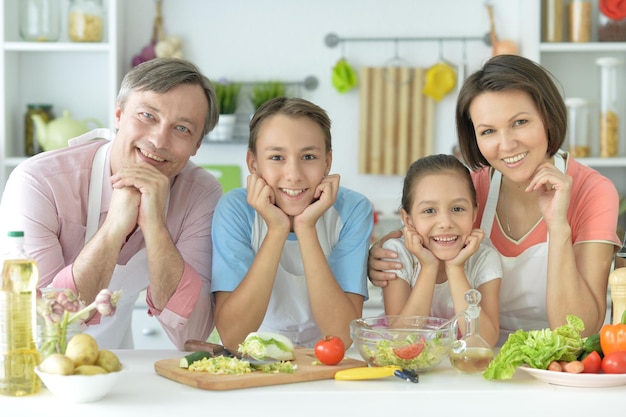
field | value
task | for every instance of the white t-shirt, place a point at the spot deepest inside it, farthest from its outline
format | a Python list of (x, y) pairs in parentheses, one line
[(481, 267)]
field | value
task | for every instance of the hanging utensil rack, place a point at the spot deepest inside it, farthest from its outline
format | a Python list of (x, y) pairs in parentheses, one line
[(332, 39)]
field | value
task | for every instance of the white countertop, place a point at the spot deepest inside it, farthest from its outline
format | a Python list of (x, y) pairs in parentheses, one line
[(442, 392)]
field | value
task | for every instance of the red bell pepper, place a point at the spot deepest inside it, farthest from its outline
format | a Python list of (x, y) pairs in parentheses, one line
[(613, 337)]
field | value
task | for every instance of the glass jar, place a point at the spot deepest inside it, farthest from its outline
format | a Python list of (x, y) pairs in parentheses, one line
[(86, 20), (609, 106), (578, 127), (31, 143), (612, 21), (579, 19), (553, 20), (40, 20)]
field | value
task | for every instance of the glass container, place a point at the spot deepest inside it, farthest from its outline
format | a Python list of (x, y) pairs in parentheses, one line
[(86, 20), (39, 20), (579, 19), (612, 21), (578, 127), (609, 106), (471, 353), (553, 20), (31, 143)]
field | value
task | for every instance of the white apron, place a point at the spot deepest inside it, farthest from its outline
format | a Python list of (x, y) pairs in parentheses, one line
[(524, 280), (113, 332)]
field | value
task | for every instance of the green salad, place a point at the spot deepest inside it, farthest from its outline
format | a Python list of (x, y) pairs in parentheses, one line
[(411, 354)]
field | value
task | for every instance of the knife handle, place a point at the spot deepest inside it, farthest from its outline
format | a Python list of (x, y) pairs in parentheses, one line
[(354, 374), (199, 345)]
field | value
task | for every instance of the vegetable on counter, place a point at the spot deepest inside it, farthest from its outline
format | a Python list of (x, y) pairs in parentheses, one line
[(330, 350), (537, 349), (266, 345), (613, 337)]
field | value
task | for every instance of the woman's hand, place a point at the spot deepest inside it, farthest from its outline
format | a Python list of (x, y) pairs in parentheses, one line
[(381, 260), (261, 197), (553, 189)]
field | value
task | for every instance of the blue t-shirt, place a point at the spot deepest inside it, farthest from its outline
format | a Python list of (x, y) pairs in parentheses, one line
[(344, 232)]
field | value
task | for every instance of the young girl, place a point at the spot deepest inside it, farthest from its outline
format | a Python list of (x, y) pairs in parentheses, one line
[(442, 256)]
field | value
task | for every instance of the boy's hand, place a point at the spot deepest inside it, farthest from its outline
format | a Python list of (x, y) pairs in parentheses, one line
[(471, 246), (326, 195), (261, 197)]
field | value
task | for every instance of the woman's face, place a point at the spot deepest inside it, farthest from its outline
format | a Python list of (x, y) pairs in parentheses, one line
[(442, 213), (510, 133), (291, 157)]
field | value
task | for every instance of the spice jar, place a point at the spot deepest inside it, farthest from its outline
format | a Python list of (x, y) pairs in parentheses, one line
[(31, 144), (86, 20), (40, 20), (578, 127), (579, 21), (612, 23), (609, 106), (553, 20)]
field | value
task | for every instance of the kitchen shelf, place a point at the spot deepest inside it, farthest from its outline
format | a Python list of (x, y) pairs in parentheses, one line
[(568, 47), (57, 46)]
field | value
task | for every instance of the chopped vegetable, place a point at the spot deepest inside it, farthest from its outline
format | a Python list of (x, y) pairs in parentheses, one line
[(537, 348), (613, 336), (191, 358), (221, 365), (265, 345)]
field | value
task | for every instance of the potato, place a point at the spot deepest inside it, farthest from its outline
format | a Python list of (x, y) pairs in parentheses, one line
[(89, 370), (57, 364), (82, 349), (108, 361)]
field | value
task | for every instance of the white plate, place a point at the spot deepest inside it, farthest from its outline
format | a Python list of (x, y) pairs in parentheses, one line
[(576, 380)]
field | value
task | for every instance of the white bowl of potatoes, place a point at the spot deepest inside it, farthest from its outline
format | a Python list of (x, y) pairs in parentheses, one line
[(83, 374)]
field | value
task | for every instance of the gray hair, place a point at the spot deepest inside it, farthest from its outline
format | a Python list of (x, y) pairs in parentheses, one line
[(160, 75)]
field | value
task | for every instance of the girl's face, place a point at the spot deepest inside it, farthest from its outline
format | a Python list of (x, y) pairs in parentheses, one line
[(510, 133), (442, 213), (291, 157)]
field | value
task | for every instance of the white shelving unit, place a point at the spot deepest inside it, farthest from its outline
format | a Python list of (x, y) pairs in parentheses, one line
[(80, 77), (574, 66)]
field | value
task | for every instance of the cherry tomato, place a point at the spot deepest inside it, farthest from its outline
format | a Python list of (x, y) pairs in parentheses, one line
[(592, 363), (411, 351), (614, 363), (330, 350)]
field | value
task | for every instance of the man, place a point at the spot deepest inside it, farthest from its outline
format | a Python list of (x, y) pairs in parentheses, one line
[(131, 213)]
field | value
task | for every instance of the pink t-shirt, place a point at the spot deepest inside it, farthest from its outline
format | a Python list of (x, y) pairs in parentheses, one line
[(592, 213), (46, 197)]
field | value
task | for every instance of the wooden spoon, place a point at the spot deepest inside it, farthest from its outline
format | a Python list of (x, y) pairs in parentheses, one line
[(499, 47)]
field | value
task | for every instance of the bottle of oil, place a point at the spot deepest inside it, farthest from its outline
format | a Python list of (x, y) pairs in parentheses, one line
[(18, 292), (472, 353)]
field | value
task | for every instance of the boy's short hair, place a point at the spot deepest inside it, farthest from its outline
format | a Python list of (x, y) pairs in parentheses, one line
[(291, 107)]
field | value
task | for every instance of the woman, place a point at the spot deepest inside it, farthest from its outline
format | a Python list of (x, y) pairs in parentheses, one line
[(552, 219)]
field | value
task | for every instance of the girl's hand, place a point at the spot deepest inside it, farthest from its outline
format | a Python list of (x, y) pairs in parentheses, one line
[(553, 190), (261, 197), (325, 196), (472, 243), (415, 244)]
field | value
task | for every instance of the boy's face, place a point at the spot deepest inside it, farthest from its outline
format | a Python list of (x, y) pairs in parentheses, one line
[(442, 213), (291, 157)]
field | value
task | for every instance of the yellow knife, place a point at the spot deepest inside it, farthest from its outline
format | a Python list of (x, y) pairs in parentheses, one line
[(372, 372)]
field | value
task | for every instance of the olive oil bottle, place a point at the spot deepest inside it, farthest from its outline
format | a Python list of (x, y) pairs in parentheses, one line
[(18, 292)]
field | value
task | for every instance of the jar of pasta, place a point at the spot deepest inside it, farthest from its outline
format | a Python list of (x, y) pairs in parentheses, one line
[(578, 127), (86, 20), (609, 105)]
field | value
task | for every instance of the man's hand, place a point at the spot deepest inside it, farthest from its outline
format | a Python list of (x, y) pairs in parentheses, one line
[(378, 261)]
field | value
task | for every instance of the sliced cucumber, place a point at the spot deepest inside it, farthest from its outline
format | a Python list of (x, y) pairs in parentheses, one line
[(191, 358)]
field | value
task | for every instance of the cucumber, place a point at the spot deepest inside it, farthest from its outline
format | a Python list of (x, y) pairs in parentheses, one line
[(191, 358)]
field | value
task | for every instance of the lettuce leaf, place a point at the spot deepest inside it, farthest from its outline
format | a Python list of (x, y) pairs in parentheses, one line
[(537, 348)]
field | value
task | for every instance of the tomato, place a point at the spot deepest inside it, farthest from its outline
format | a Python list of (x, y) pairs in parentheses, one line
[(614, 363), (330, 350), (411, 351), (592, 363)]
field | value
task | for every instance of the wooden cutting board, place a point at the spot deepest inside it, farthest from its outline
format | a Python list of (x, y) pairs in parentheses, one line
[(306, 371)]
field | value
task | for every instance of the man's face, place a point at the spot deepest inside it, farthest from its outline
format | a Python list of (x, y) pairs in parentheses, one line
[(163, 130)]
